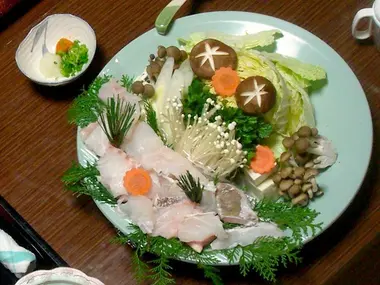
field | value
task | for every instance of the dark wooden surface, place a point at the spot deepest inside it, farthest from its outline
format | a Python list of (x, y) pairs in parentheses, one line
[(37, 144)]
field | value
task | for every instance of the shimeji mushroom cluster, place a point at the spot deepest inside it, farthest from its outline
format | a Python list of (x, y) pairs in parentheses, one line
[(306, 151), (208, 144)]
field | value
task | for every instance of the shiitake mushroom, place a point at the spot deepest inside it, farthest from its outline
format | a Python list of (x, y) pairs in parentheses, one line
[(255, 95), (221, 56)]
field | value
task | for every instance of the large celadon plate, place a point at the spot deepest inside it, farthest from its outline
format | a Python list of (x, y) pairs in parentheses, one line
[(341, 108)]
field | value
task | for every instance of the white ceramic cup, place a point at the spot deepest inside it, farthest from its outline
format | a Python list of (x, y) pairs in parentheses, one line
[(373, 14)]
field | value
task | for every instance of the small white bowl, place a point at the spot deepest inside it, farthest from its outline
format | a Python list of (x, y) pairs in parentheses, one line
[(29, 52), (58, 276)]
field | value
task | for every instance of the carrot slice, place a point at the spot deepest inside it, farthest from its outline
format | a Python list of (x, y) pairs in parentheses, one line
[(137, 181), (63, 45), (225, 81), (264, 160)]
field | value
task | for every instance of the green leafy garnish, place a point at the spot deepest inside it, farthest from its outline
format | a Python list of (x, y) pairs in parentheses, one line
[(127, 81), (83, 181), (298, 219), (73, 60), (212, 273), (87, 106), (264, 256), (116, 120), (250, 130), (193, 189), (196, 97)]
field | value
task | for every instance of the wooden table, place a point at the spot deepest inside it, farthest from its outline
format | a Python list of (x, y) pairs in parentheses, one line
[(37, 145)]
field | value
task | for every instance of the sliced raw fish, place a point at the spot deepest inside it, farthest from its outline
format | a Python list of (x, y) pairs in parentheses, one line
[(170, 163), (165, 202), (112, 167), (233, 205), (113, 89), (164, 187), (200, 229), (208, 202), (95, 139), (246, 236), (141, 140), (168, 219), (140, 210)]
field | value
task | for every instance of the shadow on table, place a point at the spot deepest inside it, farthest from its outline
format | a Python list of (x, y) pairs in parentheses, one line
[(16, 12), (71, 90)]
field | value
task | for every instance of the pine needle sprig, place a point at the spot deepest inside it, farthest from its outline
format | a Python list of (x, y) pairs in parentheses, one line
[(298, 219), (117, 120), (193, 189)]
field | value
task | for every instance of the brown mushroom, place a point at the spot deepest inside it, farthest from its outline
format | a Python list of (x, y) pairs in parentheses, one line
[(183, 55), (284, 157), (299, 172), (288, 142), (285, 172), (285, 184), (301, 145), (302, 200), (148, 91), (276, 178), (161, 52), (304, 131), (255, 95), (310, 173), (301, 159), (209, 55), (137, 87), (294, 190), (174, 52), (314, 132)]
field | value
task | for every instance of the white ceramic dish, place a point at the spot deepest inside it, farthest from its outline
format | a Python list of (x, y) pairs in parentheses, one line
[(53, 28), (58, 276)]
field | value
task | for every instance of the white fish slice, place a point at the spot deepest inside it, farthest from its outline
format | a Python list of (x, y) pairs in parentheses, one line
[(168, 219), (141, 140), (112, 167), (246, 236), (95, 139), (113, 89), (140, 210), (200, 229)]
